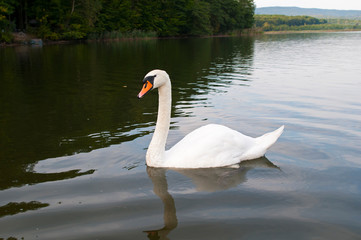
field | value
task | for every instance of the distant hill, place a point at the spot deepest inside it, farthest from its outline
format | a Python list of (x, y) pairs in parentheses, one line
[(314, 12)]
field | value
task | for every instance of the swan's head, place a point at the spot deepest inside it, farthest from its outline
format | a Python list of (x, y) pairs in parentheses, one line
[(153, 79)]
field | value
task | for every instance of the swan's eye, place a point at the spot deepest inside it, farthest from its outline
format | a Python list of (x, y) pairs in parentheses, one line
[(149, 79)]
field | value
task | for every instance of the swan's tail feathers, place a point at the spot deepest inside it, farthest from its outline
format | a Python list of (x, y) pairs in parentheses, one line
[(268, 139)]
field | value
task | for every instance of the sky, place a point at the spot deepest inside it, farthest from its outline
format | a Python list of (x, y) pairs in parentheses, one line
[(325, 4)]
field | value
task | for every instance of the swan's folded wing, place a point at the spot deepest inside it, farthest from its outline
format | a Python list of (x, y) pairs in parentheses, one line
[(209, 146)]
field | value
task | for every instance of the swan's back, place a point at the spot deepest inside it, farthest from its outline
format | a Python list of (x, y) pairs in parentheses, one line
[(216, 146)]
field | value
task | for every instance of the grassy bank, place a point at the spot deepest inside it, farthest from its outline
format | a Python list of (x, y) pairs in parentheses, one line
[(26, 39), (122, 35)]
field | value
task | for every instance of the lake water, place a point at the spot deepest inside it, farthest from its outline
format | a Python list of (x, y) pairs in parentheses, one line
[(73, 138)]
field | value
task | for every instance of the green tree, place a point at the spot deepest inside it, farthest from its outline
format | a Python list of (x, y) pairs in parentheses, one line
[(7, 8), (117, 15), (199, 18), (77, 19), (82, 18), (229, 15)]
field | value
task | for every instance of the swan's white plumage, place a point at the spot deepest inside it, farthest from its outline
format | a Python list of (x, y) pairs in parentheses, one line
[(209, 146), (217, 146), (212, 145)]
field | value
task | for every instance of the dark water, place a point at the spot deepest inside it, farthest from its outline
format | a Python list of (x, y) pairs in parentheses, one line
[(73, 138)]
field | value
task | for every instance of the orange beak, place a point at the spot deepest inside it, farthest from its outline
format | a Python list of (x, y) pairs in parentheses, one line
[(146, 88)]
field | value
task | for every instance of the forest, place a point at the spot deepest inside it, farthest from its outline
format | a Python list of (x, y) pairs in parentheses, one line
[(84, 19), (296, 23)]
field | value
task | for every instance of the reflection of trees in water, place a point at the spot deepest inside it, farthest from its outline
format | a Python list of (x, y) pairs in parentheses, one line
[(13, 208), (207, 179), (18, 179)]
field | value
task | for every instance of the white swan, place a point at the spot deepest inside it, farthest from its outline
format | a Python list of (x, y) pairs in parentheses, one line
[(208, 146)]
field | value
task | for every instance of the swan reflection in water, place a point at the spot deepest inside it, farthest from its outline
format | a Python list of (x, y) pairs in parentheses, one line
[(206, 179)]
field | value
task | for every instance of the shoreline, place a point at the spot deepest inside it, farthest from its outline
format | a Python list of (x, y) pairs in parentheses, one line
[(26, 42), (247, 33), (310, 31)]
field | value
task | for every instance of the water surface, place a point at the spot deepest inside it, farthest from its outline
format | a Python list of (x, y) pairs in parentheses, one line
[(73, 138)]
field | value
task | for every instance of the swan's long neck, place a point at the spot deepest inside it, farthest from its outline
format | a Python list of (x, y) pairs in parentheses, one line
[(155, 153)]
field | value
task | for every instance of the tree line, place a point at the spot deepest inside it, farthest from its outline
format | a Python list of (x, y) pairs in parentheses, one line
[(277, 20), (295, 23), (80, 19)]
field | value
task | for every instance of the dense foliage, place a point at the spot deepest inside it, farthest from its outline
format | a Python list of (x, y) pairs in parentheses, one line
[(79, 19), (267, 21), (294, 23), (6, 9)]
